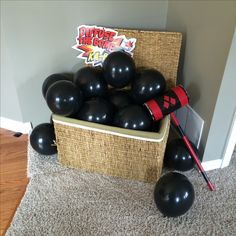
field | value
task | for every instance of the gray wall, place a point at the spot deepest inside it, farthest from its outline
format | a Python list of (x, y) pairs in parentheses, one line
[(208, 28), (37, 36), (224, 109)]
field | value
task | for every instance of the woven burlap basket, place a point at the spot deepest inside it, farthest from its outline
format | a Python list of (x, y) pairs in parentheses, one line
[(121, 152)]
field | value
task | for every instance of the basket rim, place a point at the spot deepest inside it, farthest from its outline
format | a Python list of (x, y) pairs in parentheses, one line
[(149, 31), (126, 133)]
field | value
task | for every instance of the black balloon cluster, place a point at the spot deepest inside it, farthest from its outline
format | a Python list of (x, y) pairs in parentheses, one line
[(174, 193), (112, 94)]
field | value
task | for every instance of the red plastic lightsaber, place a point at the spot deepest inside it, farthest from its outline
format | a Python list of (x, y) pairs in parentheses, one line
[(192, 152)]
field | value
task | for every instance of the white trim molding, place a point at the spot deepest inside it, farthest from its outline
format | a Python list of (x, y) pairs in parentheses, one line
[(112, 132), (16, 126), (212, 165), (230, 144)]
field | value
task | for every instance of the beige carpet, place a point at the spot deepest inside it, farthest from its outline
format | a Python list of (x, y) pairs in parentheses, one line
[(60, 201)]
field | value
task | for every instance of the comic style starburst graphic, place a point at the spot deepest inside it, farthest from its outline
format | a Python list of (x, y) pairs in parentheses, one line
[(88, 51)]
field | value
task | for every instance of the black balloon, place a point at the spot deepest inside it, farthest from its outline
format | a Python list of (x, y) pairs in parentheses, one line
[(133, 117), (178, 157), (91, 82), (155, 127), (51, 120), (96, 110), (54, 78), (149, 83), (173, 194), (69, 76), (64, 98), (119, 69), (120, 98), (42, 139)]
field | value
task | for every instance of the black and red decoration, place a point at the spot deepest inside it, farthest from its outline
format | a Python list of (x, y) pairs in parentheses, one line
[(191, 150), (170, 101), (94, 94)]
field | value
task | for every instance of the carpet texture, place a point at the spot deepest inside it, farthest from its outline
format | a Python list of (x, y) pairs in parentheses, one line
[(62, 201)]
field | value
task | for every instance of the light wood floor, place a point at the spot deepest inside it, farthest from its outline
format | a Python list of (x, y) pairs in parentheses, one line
[(13, 179)]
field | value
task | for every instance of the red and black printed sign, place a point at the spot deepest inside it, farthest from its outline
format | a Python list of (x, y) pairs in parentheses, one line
[(95, 43)]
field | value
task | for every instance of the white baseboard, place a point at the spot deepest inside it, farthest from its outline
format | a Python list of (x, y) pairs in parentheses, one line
[(16, 126), (230, 144), (212, 165)]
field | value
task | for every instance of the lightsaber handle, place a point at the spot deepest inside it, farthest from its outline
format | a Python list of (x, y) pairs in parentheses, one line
[(191, 150)]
